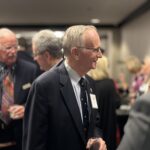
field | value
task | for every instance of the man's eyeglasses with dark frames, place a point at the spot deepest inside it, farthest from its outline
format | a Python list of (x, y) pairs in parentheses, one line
[(36, 53), (9, 47), (90, 48)]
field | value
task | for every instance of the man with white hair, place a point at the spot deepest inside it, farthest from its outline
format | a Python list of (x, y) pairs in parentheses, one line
[(60, 110), (16, 77)]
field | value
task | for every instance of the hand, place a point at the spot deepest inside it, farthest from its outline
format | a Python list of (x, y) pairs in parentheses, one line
[(100, 141), (16, 111)]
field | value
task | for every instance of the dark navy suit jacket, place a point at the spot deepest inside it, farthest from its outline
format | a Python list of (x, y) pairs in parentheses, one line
[(24, 74), (52, 117)]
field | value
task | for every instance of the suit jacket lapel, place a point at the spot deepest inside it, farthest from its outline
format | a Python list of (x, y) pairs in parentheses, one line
[(17, 83), (89, 91), (70, 99)]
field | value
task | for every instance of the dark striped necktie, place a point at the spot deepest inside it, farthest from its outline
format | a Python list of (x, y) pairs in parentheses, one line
[(7, 97), (84, 103)]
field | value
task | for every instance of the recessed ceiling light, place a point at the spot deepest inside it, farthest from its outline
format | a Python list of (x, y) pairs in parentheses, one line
[(95, 21)]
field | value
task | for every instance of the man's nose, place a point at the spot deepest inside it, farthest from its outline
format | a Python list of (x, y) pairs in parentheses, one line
[(99, 54)]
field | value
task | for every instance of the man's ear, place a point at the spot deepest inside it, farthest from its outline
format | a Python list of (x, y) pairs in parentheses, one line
[(47, 54), (75, 52)]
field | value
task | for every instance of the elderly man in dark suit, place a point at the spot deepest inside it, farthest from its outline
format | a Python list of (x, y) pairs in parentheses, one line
[(22, 74), (55, 118), (137, 128)]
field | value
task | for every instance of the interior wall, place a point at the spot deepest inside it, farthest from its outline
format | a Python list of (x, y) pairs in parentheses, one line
[(112, 46), (131, 39), (136, 38)]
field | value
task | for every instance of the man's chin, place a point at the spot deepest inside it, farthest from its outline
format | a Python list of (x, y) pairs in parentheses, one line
[(94, 66), (42, 68), (11, 62)]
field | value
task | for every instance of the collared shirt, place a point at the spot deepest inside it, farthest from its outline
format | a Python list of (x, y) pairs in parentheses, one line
[(4, 70), (74, 77)]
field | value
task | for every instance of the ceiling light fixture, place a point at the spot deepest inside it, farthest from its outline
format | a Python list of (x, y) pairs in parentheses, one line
[(95, 21)]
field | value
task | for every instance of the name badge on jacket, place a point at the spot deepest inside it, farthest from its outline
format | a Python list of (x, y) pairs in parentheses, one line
[(93, 101), (26, 86)]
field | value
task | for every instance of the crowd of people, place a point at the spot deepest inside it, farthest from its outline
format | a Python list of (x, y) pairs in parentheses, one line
[(62, 96)]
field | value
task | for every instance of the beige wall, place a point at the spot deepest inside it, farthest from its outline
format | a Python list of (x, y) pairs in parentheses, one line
[(136, 36), (136, 39), (131, 39)]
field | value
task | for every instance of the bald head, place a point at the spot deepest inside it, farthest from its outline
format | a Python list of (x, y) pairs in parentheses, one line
[(5, 32), (8, 46)]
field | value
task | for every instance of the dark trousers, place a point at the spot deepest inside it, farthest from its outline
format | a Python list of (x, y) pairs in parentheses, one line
[(6, 135)]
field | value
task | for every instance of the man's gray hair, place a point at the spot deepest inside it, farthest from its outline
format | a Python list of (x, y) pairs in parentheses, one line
[(46, 40), (73, 37)]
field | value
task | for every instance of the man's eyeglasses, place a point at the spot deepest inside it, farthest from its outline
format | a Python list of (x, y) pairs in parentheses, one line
[(36, 53), (9, 47), (90, 48)]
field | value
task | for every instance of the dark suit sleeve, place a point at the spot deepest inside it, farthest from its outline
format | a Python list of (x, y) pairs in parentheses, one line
[(35, 120), (137, 129)]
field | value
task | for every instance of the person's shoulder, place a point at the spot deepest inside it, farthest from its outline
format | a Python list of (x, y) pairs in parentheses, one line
[(52, 75), (26, 63), (89, 79), (105, 82), (49, 75), (143, 104), (22, 63), (144, 98)]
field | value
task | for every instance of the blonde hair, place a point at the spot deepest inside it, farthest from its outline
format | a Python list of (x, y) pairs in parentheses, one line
[(133, 64), (101, 70)]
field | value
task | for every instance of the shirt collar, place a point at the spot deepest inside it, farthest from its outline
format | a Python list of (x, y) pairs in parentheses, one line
[(72, 73), (4, 69)]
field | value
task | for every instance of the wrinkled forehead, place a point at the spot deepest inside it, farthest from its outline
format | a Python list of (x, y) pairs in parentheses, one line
[(8, 40)]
